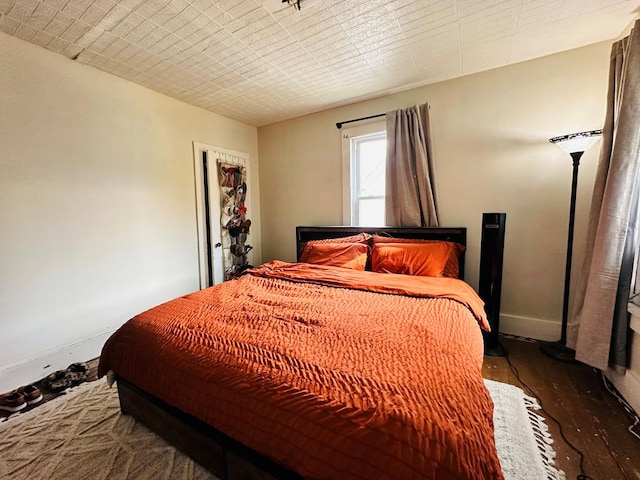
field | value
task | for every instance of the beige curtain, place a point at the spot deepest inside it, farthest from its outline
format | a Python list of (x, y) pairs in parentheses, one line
[(409, 189), (599, 325)]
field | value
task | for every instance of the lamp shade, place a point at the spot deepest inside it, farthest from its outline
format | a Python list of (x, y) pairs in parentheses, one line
[(577, 142)]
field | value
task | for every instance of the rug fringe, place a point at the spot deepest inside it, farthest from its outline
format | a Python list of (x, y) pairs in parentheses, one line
[(543, 439)]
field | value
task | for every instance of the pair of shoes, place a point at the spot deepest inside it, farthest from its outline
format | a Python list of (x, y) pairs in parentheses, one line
[(20, 398), (73, 375)]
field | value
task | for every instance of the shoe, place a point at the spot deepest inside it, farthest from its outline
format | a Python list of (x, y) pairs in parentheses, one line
[(245, 225), (57, 381), (12, 402), (75, 374), (31, 394), (78, 373)]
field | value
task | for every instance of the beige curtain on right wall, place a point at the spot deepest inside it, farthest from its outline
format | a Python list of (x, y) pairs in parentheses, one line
[(409, 197), (598, 327)]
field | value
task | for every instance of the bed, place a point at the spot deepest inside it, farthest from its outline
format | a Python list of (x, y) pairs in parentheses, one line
[(312, 370)]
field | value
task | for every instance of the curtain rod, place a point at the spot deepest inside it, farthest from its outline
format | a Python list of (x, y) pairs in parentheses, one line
[(339, 124)]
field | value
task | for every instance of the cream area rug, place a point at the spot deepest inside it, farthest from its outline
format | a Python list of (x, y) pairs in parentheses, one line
[(522, 438), (82, 435)]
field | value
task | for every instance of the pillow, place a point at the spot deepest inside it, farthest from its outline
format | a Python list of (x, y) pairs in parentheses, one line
[(426, 260), (360, 238), (345, 255), (451, 269)]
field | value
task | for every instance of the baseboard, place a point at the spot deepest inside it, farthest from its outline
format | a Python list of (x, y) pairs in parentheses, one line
[(14, 376), (540, 329)]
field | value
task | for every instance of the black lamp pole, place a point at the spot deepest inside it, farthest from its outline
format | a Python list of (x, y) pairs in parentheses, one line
[(567, 271), (559, 350)]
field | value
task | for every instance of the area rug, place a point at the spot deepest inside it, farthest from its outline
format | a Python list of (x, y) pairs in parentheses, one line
[(523, 440), (82, 435)]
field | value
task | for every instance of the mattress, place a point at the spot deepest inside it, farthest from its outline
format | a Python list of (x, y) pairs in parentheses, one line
[(331, 373)]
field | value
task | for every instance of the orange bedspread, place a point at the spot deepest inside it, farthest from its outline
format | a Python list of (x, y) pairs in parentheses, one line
[(372, 381)]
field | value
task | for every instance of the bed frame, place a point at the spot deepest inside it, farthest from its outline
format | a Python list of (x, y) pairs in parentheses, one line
[(215, 451)]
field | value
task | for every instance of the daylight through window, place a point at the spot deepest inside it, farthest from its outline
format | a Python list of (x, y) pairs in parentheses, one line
[(368, 154)]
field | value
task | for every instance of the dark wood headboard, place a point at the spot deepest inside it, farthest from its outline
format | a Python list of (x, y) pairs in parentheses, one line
[(455, 234)]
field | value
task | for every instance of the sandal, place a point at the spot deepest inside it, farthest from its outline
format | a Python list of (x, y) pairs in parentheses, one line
[(78, 373), (56, 381), (75, 374)]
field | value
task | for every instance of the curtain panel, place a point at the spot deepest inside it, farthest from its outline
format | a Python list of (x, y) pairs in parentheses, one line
[(409, 197), (599, 325)]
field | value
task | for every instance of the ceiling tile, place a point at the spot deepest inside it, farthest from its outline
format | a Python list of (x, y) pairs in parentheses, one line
[(42, 39), (55, 4), (59, 24), (42, 16), (22, 11)]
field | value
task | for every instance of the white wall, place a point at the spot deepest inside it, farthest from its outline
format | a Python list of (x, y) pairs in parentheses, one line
[(489, 133), (97, 205)]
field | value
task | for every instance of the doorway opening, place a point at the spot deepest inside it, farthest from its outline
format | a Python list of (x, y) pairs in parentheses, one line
[(215, 257)]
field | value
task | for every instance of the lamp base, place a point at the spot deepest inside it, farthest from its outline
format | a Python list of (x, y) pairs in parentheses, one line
[(559, 351)]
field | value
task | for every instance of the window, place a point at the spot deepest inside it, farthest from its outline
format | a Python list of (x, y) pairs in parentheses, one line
[(364, 156)]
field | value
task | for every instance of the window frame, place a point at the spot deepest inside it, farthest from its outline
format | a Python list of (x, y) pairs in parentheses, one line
[(348, 134)]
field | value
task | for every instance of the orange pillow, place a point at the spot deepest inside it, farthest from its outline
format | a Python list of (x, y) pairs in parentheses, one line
[(362, 238), (452, 267), (345, 255), (426, 259)]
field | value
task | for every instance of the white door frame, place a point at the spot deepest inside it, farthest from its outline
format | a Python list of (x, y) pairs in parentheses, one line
[(214, 210)]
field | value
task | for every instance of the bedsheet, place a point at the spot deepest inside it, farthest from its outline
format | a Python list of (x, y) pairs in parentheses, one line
[(332, 373)]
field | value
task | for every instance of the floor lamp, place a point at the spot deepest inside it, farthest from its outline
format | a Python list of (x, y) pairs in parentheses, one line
[(575, 144)]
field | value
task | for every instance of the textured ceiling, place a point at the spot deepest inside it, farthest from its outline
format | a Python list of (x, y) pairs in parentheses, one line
[(261, 61)]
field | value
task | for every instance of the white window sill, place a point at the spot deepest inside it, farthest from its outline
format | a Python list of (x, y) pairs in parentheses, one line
[(634, 310)]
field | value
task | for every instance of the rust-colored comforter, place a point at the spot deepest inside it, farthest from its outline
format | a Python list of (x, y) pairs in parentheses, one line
[(378, 379)]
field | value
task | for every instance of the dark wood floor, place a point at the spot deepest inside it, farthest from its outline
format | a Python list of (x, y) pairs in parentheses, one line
[(48, 394), (592, 419)]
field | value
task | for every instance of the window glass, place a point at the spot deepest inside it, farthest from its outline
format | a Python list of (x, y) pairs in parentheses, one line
[(371, 165), (364, 150), (371, 212), (368, 154)]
